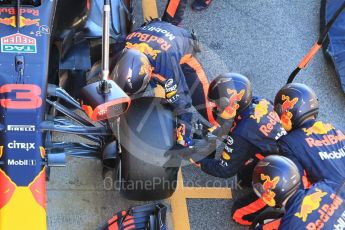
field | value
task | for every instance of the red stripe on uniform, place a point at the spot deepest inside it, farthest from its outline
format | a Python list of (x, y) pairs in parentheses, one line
[(273, 225), (247, 210), (306, 183), (259, 156), (172, 7), (194, 64)]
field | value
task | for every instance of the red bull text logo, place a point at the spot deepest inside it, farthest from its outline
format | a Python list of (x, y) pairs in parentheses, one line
[(268, 195), (164, 45), (287, 115), (273, 119), (328, 139), (326, 212), (23, 21), (12, 11)]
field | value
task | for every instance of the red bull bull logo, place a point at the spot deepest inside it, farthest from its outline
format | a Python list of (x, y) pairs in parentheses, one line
[(148, 38), (145, 67), (8, 21), (268, 195), (28, 22), (286, 115), (143, 48), (32, 197), (260, 110), (230, 110), (310, 203), (318, 128), (327, 211), (38, 189), (11, 21), (7, 188)]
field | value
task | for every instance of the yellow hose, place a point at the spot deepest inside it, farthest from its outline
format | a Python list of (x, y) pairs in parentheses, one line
[(149, 9)]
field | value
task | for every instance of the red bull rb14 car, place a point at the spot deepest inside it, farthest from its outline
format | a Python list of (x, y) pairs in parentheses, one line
[(49, 58)]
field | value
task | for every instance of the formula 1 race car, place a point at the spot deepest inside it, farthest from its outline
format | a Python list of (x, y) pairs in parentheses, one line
[(52, 81)]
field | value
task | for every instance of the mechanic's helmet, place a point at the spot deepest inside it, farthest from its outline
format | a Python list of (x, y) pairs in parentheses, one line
[(132, 71), (231, 93), (294, 103), (275, 179)]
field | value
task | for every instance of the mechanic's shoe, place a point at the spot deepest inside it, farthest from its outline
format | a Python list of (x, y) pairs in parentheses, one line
[(200, 5)]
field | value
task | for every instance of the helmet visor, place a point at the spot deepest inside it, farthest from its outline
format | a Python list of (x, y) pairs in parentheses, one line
[(258, 189), (224, 109)]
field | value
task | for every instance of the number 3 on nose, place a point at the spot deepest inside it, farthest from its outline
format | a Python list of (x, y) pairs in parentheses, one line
[(25, 96)]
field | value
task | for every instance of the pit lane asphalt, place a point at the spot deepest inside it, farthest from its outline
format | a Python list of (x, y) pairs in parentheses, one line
[(263, 40)]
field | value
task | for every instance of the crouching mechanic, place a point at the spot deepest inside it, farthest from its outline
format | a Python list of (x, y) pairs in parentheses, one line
[(163, 54), (276, 180), (317, 148), (253, 135)]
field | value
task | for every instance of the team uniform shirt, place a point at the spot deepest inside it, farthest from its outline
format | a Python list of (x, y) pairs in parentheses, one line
[(320, 207), (318, 148), (167, 47), (253, 136)]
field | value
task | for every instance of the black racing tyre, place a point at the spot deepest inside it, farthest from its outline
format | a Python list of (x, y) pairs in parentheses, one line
[(147, 132)]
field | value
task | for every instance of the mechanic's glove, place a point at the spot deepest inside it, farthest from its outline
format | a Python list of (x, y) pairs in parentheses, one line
[(197, 164), (215, 131), (182, 136), (180, 152), (202, 130), (204, 148)]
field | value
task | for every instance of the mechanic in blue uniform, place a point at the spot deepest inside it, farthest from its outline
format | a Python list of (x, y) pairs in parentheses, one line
[(316, 147), (276, 180), (174, 10), (253, 135), (161, 53)]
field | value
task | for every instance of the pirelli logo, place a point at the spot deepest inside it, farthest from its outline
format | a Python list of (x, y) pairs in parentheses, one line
[(21, 128)]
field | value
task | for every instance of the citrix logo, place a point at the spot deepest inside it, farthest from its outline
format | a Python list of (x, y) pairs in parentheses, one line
[(18, 145)]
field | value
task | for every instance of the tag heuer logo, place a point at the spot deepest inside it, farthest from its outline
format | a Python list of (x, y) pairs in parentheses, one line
[(18, 43)]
